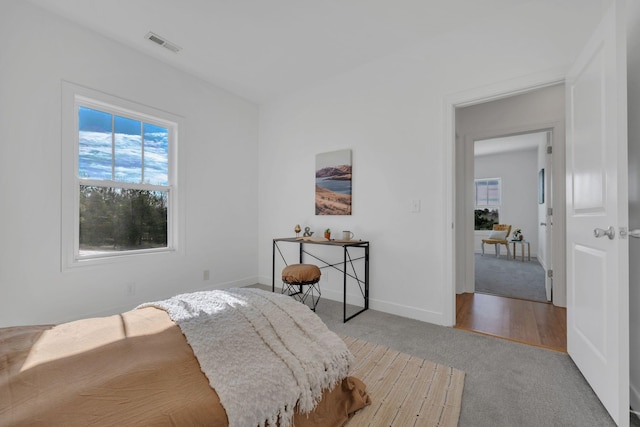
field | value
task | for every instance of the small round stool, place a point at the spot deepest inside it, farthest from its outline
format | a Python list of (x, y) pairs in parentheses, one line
[(296, 276)]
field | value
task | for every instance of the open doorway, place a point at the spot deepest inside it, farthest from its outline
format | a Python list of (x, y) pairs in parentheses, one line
[(536, 111), (509, 192)]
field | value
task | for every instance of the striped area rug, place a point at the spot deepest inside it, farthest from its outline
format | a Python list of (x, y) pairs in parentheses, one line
[(405, 390)]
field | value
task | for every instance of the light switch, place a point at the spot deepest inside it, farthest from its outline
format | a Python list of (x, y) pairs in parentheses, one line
[(415, 205)]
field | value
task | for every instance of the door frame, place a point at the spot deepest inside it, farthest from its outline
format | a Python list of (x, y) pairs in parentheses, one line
[(450, 139), (467, 282)]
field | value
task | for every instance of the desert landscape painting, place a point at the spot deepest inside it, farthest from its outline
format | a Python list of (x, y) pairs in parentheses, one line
[(333, 183)]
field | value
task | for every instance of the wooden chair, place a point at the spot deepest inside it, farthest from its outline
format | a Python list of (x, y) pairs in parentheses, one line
[(498, 237)]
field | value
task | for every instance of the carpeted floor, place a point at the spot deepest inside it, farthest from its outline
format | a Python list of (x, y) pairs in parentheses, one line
[(506, 384), (510, 278)]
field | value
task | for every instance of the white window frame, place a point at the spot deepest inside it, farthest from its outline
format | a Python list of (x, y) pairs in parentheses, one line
[(74, 96), (475, 192)]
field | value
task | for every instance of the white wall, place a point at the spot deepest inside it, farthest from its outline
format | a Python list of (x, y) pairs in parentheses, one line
[(633, 82), (218, 152), (519, 173), (390, 113)]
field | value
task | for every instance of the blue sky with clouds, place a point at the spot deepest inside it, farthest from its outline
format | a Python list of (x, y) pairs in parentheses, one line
[(100, 155)]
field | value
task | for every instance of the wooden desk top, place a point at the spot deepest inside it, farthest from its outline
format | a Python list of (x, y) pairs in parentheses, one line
[(323, 241)]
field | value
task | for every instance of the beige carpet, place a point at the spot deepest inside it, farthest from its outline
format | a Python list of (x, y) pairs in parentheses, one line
[(405, 390)]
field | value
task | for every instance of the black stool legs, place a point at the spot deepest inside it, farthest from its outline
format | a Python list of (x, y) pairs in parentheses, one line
[(297, 291)]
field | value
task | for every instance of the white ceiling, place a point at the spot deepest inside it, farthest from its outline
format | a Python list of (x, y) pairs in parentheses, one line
[(262, 49)]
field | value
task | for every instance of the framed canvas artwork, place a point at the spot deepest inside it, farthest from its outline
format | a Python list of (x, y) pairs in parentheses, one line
[(333, 183)]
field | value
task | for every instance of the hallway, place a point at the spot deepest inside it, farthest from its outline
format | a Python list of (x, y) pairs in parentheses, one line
[(529, 322)]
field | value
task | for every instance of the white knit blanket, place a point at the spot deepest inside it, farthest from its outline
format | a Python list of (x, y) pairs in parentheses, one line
[(263, 353)]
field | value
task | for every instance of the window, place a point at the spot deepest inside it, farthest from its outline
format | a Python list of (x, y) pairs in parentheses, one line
[(123, 192), (487, 194)]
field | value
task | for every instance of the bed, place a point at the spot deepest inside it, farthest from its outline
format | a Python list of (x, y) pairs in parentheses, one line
[(142, 368)]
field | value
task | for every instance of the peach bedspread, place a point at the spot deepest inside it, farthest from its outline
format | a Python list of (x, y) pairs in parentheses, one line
[(135, 368)]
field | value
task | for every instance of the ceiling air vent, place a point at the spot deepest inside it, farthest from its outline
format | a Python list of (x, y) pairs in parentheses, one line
[(163, 42)]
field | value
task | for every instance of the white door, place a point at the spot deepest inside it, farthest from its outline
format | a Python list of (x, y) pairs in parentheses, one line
[(597, 199)]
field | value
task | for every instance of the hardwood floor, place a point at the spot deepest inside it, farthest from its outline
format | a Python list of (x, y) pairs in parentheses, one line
[(528, 322)]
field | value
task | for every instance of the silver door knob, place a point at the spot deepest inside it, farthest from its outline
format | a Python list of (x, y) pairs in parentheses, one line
[(609, 232), (635, 233)]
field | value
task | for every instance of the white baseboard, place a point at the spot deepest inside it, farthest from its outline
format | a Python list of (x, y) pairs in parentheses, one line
[(266, 281), (422, 315), (232, 284), (384, 306), (437, 318), (542, 263)]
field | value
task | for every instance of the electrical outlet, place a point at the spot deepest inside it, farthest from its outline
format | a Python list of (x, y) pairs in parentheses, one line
[(205, 275), (131, 288)]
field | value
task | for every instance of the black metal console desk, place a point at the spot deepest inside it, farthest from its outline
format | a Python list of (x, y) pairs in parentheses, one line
[(353, 250)]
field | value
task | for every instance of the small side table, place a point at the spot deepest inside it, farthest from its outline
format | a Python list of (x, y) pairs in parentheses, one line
[(522, 243)]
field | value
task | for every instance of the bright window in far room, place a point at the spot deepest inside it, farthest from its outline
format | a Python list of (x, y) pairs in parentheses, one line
[(487, 194), (124, 180)]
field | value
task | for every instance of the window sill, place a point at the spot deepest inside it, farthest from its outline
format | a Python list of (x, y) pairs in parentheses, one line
[(115, 258)]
